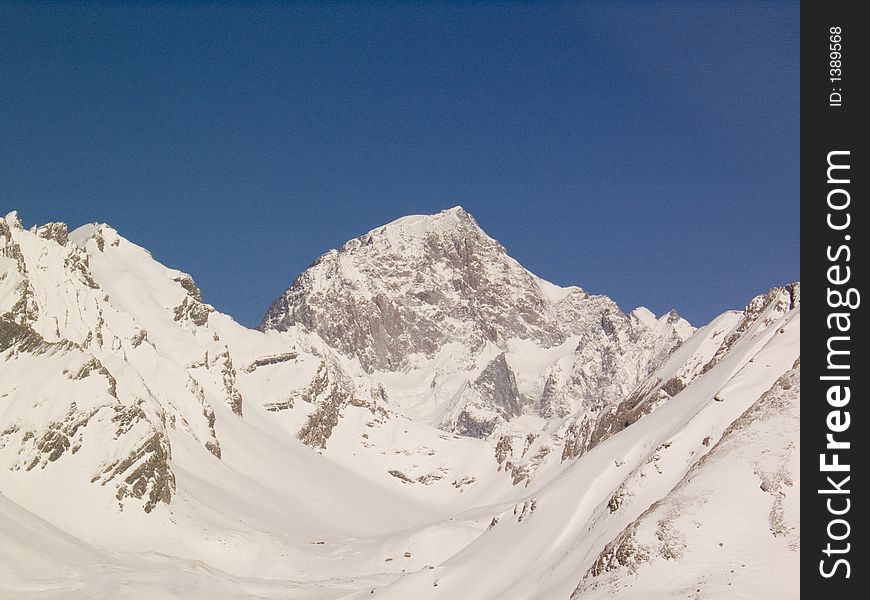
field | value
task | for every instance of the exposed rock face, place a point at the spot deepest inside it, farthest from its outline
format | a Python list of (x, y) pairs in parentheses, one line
[(412, 286), (520, 466), (24, 310), (93, 365), (495, 389), (330, 392), (54, 231), (144, 473), (228, 374), (330, 395), (271, 360), (615, 352), (61, 436), (192, 306), (498, 385), (20, 337)]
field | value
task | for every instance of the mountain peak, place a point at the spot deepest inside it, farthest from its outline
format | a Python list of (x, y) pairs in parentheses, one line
[(450, 222), (13, 221), (413, 285)]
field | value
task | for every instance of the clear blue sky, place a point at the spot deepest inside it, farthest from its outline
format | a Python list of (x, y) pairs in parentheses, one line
[(648, 151)]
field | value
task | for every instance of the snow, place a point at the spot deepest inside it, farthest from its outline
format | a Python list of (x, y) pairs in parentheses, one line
[(554, 292), (753, 552), (645, 316), (80, 235), (128, 364)]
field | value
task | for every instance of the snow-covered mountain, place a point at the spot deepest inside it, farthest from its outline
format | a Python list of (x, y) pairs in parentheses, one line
[(417, 416), (439, 314)]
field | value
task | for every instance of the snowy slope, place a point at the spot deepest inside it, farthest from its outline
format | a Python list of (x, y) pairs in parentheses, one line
[(498, 438), (750, 554)]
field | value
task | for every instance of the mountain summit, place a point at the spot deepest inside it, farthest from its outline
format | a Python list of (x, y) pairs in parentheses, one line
[(412, 286)]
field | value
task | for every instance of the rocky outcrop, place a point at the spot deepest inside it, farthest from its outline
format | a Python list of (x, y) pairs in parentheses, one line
[(330, 395), (492, 398), (275, 359), (144, 473), (330, 392), (93, 365), (498, 385), (54, 231), (59, 437)]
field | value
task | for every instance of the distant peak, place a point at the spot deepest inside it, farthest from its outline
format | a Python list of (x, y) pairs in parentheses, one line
[(645, 316), (13, 221), (672, 317), (100, 232)]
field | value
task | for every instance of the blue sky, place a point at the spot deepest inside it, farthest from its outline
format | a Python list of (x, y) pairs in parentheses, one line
[(648, 151)]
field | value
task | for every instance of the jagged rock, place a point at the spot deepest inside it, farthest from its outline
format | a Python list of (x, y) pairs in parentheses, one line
[(211, 444), (146, 473), (25, 340), (503, 449), (526, 511), (674, 386), (189, 286), (270, 360), (624, 552), (93, 365), (279, 406), (197, 312), (330, 392), (460, 483), (400, 476), (228, 375), (473, 426), (54, 231), (58, 438), (139, 337), (577, 439), (492, 398), (14, 334), (77, 262), (330, 396), (498, 386)]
